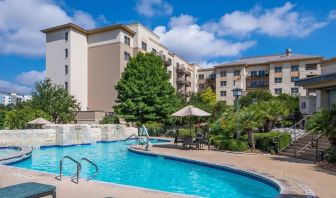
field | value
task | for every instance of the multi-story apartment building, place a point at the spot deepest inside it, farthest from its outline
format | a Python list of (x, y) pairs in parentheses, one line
[(276, 73), (12, 98), (89, 63)]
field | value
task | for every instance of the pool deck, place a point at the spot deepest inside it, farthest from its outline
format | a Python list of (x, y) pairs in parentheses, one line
[(288, 171)]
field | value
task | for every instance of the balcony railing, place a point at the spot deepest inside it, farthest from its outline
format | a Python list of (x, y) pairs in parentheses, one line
[(180, 69), (180, 81), (263, 86), (188, 84), (187, 73), (257, 76)]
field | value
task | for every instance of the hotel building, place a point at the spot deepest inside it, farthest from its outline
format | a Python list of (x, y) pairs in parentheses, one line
[(276, 73), (89, 63)]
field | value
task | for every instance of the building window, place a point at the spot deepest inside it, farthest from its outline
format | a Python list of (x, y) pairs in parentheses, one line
[(127, 56), (66, 36), (201, 86), (144, 46), (154, 51), (127, 40), (212, 76), (222, 73), (278, 69), (262, 73), (277, 80), (236, 72), (278, 91), (294, 90), (66, 53), (66, 69), (201, 76), (294, 68), (223, 93), (254, 74), (254, 84), (222, 83), (66, 86), (294, 78), (311, 66)]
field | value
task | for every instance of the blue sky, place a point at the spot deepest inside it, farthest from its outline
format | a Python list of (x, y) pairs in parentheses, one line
[(202, 31)]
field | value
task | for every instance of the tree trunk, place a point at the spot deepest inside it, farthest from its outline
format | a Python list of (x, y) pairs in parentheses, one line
[(251, 139)]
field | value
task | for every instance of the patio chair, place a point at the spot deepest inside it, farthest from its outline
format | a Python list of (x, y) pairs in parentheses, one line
[(199, 140), (30, 189), (178, 138), (188, 141)]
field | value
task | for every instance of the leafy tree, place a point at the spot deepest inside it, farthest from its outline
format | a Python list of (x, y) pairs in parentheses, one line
[(273, 112), (209, 97), (255, 96), (250, 119), (20, 116), (291, 102), (110, 119), (54, 100), (144, 91)]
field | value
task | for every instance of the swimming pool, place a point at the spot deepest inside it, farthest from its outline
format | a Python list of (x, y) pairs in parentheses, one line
[(118, 165)]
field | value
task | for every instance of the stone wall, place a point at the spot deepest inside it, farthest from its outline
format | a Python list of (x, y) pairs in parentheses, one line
[(67, 134)]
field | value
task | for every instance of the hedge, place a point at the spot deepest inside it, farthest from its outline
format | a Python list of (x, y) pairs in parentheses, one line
[(268, 141), (230, 144), (330, 155)]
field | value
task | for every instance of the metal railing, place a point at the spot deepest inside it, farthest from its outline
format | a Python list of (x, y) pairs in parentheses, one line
[(319, 155), (76, 176), (296, 136), (90, 162)]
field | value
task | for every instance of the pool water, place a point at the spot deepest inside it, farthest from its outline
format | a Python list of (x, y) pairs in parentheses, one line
[(118, 165), (4, 152)]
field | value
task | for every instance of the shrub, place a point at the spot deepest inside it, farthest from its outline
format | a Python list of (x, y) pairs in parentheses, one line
[(330, 155), (186, 132), (268, 141), (154, 128), (231, 144), (110, 119)]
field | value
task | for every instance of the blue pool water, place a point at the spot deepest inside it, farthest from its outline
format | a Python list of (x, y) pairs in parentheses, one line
[(118, 165)]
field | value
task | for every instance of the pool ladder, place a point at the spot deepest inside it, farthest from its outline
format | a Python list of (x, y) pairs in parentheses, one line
[(75, 178)]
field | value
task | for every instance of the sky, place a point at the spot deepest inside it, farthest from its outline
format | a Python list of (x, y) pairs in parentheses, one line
[(201, 31)]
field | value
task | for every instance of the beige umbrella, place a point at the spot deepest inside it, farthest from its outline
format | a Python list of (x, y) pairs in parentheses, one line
[(39, 121), (190, 111)]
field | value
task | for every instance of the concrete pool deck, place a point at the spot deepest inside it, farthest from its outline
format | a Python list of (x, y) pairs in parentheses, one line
[(290, 172)]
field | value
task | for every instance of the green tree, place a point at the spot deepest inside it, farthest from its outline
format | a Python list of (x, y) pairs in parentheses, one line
[(209, 97), (20, 116), (144, 91), (255, 96), (54, 100), (110, 119), (273, 112), (324, 122), (250, 120)]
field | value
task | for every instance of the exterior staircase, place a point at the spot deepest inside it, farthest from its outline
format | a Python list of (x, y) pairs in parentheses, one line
[(304, 148)]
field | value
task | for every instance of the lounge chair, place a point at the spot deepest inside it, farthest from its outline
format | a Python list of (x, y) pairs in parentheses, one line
[(178, 139), (30, 189)]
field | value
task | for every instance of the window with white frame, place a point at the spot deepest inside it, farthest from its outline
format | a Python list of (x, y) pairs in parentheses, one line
[(294, 68), (294, 78), (278, 80), (278, 69), (144, 46), (236, 72), (127, 40), (294, 90), (278, 91), (222, 83), (222, 73), (223, 93), (127, 56)]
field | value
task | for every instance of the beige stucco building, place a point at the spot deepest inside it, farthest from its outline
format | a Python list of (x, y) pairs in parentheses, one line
[(89, 63), (325, 86), (276, 73)]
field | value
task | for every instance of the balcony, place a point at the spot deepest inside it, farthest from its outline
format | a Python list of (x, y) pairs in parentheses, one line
[(180, 81), (257, 85), (180, 69), (188, 84), (257, 76), (188, 73), (168, 62)]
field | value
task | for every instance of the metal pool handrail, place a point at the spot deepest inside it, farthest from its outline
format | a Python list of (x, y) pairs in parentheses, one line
[(95, 165), (78, 164)]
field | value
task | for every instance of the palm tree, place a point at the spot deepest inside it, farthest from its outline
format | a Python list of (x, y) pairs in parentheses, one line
[(250, 119), (273, 110), (324, 122)]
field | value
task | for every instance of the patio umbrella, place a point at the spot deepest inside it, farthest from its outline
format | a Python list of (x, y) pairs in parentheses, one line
[(39, 121), (190, 111)]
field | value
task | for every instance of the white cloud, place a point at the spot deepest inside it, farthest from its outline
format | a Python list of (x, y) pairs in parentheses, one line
[(21, 22), (23, 82), (29, 78), (278, 22), (196, 44), (332, 15), (10, 87), (150, 8)]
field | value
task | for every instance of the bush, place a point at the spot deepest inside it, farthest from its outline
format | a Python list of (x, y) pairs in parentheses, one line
[(231, 144), (330, 155), (268, 141), (154, 128), (110, 119)]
